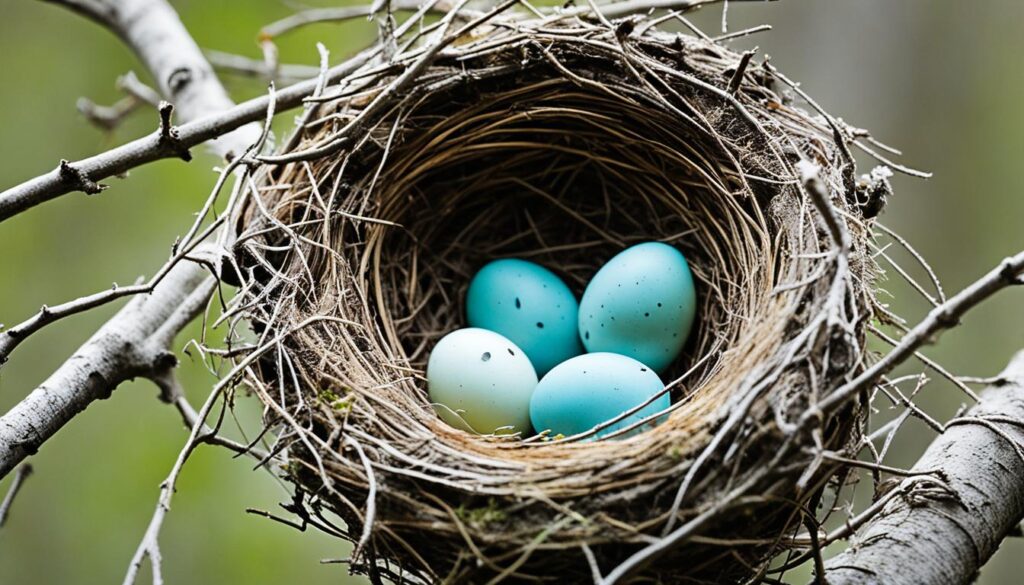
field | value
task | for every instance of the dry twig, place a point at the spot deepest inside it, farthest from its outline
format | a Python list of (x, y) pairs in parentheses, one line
[(12, 492)]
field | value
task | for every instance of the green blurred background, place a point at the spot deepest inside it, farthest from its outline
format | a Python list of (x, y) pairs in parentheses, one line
[(941, 79)]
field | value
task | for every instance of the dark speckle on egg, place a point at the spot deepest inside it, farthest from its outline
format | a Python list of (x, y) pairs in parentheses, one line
[(519, 305), (486, 356), (643, 369), (540, 325), (586, 335), (510, 352)]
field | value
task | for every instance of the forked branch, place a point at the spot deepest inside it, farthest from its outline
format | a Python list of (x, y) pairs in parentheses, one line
[(132, 344), (136, 341), (156, 35), (947, 537), (206, 124), (1009, 272)]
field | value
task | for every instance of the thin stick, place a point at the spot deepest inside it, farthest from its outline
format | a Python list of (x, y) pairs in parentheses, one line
[(338, 14), (134, 342), (121, 159), (19, 479), (150, 544), (939, 319), (245, 66)]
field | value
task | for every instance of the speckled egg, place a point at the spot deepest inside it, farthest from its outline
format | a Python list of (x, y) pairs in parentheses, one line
[(528, 304), (481, 382), (587, 390), (640, 304)]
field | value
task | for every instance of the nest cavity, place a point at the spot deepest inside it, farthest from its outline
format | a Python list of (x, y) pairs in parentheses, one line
[(561, 141)]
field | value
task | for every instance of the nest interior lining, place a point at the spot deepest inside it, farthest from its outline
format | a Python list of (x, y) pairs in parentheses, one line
[(563, 160)]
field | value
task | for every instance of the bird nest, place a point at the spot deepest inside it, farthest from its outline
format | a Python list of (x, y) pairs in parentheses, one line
[(562, 140)]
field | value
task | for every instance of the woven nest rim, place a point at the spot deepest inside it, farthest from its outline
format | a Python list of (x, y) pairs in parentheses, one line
[(363, 281)]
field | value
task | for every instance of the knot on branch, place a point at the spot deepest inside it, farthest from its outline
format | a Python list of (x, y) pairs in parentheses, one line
[(28, 446), (946, 318), (165, 360), (179, 79), (169, 139), (1012, 271), (78, 180), (100, 386)]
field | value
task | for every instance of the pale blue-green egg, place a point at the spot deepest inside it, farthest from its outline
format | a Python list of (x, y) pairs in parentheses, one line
[(481, 382), (587, 390), (528, 304), (640, 304)]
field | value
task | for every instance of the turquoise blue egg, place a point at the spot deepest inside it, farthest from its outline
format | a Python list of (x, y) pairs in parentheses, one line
[(641, 304), (481, 382), (587, 390), (528, 304)]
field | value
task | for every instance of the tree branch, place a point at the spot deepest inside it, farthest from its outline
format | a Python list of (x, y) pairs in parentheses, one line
[(150, 148), (135, 342), (620, 9), (137, 94), (943, 317), (927, 539), (200, 433), (246, 67), (92, 170), (156, 35)]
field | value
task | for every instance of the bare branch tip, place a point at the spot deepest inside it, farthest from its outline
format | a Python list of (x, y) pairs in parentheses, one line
[(23, 473), (737, 77)]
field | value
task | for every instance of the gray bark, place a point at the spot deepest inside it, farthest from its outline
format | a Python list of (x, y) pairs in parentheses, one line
[(133, 343), (215, 119), (948, 540), (136, 341), (116, 161), (152, 29)]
